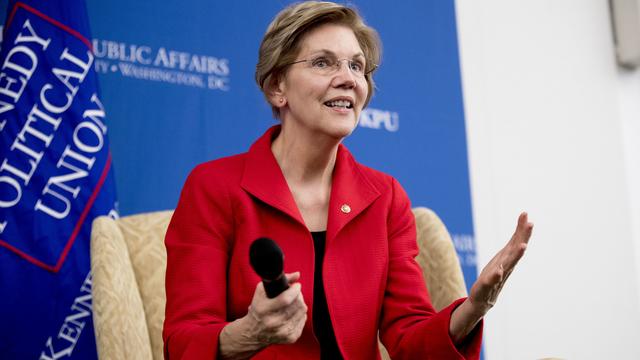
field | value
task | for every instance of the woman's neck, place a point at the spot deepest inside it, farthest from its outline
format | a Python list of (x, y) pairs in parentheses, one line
[(305, 159)]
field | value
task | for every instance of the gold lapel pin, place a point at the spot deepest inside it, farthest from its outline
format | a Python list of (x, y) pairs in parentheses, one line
[(345, 208)]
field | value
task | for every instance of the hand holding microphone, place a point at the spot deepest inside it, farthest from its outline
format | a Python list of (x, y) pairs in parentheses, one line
[(278, 311)]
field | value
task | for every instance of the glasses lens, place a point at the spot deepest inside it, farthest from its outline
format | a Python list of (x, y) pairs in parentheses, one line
[(323, 64), (327, 65), (356, 67)]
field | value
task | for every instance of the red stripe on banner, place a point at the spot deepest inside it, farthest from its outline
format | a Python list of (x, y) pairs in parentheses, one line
[(47, 18), (9, 19), (93, 197), (75, 232), (27, 257)]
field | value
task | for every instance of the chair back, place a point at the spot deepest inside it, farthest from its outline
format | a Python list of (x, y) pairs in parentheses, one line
[(438, 259)]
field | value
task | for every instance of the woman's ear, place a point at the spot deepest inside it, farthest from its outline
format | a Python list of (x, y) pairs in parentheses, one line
[(276, 93)]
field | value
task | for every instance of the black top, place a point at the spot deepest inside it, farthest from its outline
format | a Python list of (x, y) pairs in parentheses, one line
[(321, 320)]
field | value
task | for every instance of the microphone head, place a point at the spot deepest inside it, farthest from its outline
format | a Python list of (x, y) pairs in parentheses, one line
[(266, 258)]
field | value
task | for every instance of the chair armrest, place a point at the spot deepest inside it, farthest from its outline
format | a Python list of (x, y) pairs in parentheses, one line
[(118, 313)]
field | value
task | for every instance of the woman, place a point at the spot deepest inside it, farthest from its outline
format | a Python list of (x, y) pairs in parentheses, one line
[(347, 230)]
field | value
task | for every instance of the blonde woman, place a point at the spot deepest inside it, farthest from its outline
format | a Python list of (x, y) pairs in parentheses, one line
[(347, 230)]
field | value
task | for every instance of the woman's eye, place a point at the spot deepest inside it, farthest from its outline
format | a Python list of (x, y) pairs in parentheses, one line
[(320, 63), (357, 67)]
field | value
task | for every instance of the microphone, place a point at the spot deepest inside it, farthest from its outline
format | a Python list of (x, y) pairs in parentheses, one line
[(267, 260)]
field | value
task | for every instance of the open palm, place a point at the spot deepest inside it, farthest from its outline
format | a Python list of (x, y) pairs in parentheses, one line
[(493, 276)]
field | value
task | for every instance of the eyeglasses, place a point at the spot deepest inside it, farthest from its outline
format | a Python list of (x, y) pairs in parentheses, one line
[(328, 65)]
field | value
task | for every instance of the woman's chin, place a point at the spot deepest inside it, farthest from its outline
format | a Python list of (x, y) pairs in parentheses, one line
[(342, 130)]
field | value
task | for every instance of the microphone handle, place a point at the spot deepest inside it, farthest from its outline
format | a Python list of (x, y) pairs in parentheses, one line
[(273, 288)]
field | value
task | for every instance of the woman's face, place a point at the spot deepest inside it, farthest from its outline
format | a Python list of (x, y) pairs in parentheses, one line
[(321, 99)]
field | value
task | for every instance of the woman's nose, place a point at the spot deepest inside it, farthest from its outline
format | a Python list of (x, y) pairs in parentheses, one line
[(344, 75)]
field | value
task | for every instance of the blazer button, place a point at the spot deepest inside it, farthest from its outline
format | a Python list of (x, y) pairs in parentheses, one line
[(345, 208)]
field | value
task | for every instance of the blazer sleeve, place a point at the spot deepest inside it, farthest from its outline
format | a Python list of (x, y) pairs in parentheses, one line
[(410, 328), (197, 243)]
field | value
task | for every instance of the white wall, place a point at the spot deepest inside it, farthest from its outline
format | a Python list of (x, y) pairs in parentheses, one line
[(554, 128), (629, 99)]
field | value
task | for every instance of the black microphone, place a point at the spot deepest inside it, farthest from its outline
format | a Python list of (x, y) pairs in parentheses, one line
[(267, 260)]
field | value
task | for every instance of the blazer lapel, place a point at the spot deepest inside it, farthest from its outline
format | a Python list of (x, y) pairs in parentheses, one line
[(263, 178), (351, 193)]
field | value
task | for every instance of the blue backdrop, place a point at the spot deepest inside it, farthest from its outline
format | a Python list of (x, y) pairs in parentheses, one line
[(177, 84)]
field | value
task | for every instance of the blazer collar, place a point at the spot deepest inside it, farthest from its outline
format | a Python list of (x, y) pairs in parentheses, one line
[(351, 191)]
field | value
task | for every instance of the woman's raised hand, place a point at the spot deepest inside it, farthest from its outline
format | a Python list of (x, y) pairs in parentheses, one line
[(486, 289)]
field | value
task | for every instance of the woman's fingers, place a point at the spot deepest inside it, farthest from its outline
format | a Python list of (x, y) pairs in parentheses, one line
[(485, 291), (280, 301), (281, 319), (292, 328), (293, 277), (523, 229), (516, 247), (292, 303), (514, 250)]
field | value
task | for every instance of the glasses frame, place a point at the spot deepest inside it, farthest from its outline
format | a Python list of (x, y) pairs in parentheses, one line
[(337, 68)]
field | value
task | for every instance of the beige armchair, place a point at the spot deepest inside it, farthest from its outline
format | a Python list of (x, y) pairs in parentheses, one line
[(128, 261)]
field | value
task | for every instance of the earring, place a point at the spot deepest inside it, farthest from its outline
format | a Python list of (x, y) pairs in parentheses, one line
[(281, 100)]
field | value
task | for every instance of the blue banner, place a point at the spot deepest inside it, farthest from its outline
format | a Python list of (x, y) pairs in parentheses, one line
[(55, 178)]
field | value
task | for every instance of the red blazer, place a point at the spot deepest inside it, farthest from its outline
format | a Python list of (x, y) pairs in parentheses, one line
[(372, 281)]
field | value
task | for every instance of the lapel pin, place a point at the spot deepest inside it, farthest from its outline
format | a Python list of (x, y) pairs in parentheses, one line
[(345, 208)]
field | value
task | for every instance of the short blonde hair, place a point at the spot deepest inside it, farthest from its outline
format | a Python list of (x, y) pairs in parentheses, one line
[(281, 43)]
